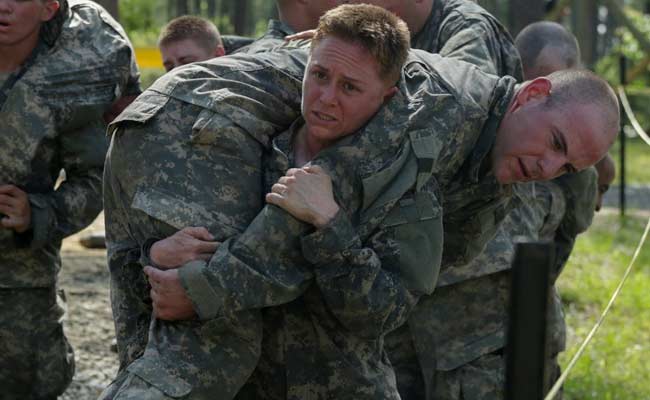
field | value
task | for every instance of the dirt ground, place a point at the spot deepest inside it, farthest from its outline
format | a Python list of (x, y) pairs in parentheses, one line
[(89, 326)]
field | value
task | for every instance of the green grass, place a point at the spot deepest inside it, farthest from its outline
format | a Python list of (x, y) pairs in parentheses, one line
[(637, 161), (616, 363)]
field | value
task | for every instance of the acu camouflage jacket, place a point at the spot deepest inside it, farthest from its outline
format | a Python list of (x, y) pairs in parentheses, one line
[(52, 120)]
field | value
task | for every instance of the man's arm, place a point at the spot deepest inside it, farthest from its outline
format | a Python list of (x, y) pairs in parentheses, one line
[(77, 201), (483, 43)]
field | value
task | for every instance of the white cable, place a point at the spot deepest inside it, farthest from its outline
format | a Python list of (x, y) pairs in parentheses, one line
[(556, 387)]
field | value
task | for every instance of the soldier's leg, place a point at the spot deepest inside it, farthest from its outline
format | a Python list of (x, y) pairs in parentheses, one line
[(36, 360), (481, 379)]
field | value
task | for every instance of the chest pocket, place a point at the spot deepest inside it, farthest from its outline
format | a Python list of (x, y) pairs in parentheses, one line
[(466, 234), (416, 226)]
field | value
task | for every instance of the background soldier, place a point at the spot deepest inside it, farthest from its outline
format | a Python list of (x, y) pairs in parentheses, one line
[(189, 39), (294, 16), (51, 109)]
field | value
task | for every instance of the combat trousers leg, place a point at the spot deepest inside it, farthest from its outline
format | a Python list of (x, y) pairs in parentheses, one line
[(36, 360)]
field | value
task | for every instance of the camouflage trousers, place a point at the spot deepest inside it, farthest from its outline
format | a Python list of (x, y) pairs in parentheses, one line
[(36, 360)]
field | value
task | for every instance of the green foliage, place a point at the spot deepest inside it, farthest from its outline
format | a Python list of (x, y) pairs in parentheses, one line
[(637, 161), (615, 365)]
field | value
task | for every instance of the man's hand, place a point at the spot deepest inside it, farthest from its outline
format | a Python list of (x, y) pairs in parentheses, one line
[(170, 302), (14, 204), (186, 245), (301, 35), (306, 193)]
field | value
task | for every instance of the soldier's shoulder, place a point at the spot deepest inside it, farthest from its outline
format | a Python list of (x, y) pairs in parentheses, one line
[(471, 87), (466, 10)]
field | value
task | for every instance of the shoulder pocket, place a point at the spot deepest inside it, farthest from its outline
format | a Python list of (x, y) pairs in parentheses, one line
[(145, 107), (416, 221)]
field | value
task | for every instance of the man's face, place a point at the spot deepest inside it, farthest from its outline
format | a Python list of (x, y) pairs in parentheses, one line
[(186, 51), (21, 20), (535, 142), (342, 90)]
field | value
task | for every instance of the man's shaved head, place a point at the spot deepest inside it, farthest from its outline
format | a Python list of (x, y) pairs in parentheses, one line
[(546, 47)]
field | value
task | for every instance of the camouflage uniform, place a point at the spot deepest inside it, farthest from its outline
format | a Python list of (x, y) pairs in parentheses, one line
[(180, 159), (258, 269), (463, 30), (232, 43), (273, 37), (321, 344), (52, 120), (467, 314)]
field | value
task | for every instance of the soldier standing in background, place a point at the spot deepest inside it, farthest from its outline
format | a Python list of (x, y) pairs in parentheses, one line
[(188, 39), (294, 16), (62, 65)]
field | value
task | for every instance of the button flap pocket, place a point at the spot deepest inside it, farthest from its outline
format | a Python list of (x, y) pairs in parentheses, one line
[(155, 373), (417, 224), (179, 212), (141, 110)]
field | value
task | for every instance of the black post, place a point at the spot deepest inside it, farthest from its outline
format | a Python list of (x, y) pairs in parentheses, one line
[(526, 348), (623, 72)]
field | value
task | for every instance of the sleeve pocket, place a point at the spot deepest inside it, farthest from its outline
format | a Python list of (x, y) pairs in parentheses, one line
[(180, 212), (155, 374), (417, 225)]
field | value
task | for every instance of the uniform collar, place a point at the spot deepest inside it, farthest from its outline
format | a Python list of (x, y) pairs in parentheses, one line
[(280, 28), (479, 163)]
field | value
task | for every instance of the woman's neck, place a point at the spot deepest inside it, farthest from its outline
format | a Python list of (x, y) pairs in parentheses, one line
[(304, 148)]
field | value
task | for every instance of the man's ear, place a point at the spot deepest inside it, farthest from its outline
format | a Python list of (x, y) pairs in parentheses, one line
[(390, 92), (219, 51), (49, 10), (537, 89)]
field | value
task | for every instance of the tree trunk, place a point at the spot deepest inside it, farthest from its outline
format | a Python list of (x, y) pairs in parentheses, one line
[(182, 8), (212, 8), (111, 7), (584, 17), (240, 18), (196, 7), (524, 12)]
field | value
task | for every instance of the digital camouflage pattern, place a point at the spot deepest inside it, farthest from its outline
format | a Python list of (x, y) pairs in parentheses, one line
[(273, 37), (36, 360), (188, 152), (232, 43), (52, 120), (463, 30), (245, 272), (466, 317)]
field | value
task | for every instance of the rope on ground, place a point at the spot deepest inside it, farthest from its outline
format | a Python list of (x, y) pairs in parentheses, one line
[(556, 387), (630, 115)]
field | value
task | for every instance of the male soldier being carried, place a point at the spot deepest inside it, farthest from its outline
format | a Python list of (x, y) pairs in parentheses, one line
[(51, 109)]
